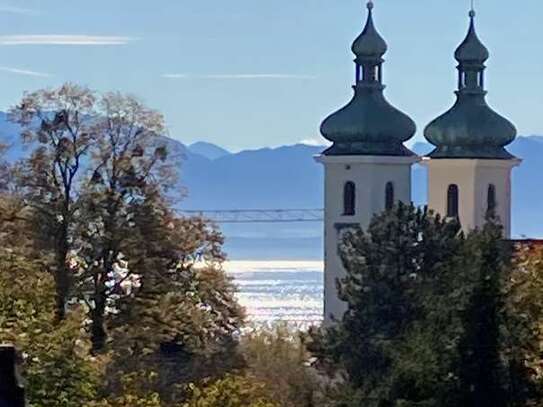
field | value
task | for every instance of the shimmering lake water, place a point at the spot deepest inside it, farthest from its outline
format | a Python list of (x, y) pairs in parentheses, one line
[(272, 291)]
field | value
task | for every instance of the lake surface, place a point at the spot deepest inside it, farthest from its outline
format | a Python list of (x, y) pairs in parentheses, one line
[(273, 291)]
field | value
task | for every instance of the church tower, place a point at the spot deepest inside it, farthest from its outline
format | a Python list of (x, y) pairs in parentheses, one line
[(367, 168), (470, 170)]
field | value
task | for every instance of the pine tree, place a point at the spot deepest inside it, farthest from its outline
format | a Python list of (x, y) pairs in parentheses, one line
[(389, 271), (435, 318), (481, 369)]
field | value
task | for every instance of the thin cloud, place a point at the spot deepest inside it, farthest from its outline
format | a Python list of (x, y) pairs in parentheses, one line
[(314, 142), (64, 40), (24, 72), (240, 76), (17, 10)]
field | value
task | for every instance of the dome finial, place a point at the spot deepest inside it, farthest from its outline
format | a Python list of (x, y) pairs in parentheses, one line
[(472, 9), (370, 5)]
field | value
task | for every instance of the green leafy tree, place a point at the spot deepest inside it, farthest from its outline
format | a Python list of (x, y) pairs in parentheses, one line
[(56, 364), (231, 391), (132, 393), (179, 321), (522, 330)]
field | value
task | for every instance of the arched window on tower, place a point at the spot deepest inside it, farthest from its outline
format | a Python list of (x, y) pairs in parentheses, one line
[(389, 196), (349, 199), (452, 201), (491, 200), (358, 73)]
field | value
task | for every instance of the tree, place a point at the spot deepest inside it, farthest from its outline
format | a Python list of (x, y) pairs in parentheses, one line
[(181, 319), (15, 235), (231, 391), (93, 207), (132, 394), (389, 272), (435, 318), (130, 165), (278, 358), (481, 369), (94, 159), (59, 124), (522, 331), (5, 170), (56, 365)]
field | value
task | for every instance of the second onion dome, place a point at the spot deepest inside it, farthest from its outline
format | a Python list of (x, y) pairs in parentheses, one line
[(471, 129), (368, 124)]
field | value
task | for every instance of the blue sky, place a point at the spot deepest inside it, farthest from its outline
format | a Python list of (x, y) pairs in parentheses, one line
[(254, 73)]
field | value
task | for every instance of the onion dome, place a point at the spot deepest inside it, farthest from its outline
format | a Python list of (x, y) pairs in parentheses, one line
[(471, 129), (368, 124), (369, 44), (472, 50)]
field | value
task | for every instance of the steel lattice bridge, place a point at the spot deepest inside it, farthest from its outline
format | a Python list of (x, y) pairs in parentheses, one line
[(258, 215)]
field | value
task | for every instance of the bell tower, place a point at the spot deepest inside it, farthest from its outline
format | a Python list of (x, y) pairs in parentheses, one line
[(470, 170), (367, 168)]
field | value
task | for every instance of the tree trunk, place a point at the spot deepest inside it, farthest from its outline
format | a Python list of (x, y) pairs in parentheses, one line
[(98, 330), (62, 277)]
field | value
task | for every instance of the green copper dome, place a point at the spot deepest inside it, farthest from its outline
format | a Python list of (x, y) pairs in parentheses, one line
[(471, 129), (472, 49), (369, 44), (368, 124)]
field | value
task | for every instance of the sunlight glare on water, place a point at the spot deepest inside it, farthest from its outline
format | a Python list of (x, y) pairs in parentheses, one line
[(273, 291)]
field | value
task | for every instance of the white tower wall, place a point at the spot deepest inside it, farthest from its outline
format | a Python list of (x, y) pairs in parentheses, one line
[(370, 174), (473, 178)]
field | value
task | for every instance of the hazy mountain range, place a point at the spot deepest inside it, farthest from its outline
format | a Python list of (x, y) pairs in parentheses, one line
[(287, 177)]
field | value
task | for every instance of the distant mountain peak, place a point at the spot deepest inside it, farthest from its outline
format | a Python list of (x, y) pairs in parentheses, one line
[(208, 150)]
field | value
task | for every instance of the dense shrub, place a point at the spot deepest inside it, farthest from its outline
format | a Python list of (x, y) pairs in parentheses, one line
[(231, 391), (278, 358)]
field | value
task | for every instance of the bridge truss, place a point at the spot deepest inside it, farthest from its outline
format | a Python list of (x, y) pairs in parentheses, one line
[(258, 215)]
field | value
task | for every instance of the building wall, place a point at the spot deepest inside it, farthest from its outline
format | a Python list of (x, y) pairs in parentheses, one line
[(473, 177), (370, 175)]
